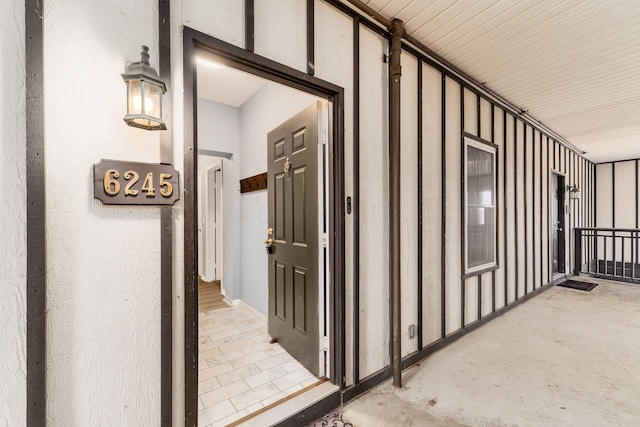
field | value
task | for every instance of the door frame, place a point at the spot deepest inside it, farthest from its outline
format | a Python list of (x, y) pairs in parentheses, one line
[(250, 62), (562, 244)]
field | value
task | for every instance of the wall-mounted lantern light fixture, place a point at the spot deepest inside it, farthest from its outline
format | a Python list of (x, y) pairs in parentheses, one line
[(574, 192), (144, 94)]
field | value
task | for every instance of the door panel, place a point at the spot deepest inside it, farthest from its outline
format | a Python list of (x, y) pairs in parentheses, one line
[(299, 204), (280, 291), (293, 215), (300, 300)]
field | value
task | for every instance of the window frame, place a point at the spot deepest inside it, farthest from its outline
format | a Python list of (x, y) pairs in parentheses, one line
[(492, 149)]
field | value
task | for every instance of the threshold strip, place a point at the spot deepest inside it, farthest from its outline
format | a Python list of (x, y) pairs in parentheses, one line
[(276, 403)]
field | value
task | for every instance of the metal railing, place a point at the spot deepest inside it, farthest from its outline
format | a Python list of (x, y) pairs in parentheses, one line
[(612, 253)]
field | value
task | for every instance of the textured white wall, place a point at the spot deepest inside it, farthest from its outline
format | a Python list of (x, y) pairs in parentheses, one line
[(223, 19), (280, 31), (453, 206), (374, 204), (334, 63), (12, 216), (103, 265), (431, 203), (409, 201)]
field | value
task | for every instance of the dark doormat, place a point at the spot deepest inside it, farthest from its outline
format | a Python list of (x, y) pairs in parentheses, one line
[(581, 286), (334, 419)]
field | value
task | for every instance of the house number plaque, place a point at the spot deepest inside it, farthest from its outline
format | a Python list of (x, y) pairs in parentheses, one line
[(129, 183)]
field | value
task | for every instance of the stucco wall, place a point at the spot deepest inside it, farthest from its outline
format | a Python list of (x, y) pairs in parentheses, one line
[(12, 216), (103, 263)]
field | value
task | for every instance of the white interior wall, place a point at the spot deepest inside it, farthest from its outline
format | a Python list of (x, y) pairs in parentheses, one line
[(431, 204), (13, 217), (103, 294), (409, 201), (219, 130), (334, 63), (374, 205)]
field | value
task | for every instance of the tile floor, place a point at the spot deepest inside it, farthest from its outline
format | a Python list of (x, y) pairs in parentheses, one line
[(239, 371)]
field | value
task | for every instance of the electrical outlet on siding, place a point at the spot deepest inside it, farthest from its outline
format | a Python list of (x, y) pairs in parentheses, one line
[(412, 331)]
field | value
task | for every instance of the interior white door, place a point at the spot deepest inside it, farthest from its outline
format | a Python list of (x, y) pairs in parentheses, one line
[(201, 215), (213, 230)]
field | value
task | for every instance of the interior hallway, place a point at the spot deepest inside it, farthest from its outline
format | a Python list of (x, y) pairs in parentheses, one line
[(210, 296), (564, 358)]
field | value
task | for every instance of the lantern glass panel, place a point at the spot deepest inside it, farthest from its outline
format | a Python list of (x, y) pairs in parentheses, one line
[(134, 97), (152, 94)]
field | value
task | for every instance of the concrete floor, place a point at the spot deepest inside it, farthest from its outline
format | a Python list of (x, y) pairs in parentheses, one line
[(564, 358)]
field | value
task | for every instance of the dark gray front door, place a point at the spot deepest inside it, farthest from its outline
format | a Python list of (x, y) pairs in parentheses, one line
[(557, 223), (293, 217)]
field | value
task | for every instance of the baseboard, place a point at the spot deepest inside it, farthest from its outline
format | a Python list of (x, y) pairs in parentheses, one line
[(252, 310), (205, 278)]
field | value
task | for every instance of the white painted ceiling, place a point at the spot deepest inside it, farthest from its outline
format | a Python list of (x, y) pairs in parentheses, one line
[(224, 84), (574, 65)]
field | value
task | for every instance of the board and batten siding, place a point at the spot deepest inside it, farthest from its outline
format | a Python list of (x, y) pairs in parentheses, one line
[(525, 159), (438, 108), (617, 192)]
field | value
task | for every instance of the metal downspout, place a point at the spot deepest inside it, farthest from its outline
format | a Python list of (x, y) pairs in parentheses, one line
[(397, 32)]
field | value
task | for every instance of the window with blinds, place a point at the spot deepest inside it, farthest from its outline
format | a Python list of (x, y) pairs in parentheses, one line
[(480, 205)]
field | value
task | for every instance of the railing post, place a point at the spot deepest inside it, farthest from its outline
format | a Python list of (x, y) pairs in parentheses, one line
[(577, 252)]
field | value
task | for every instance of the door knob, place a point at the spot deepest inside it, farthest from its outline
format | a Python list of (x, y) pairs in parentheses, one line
[(269, 241)]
